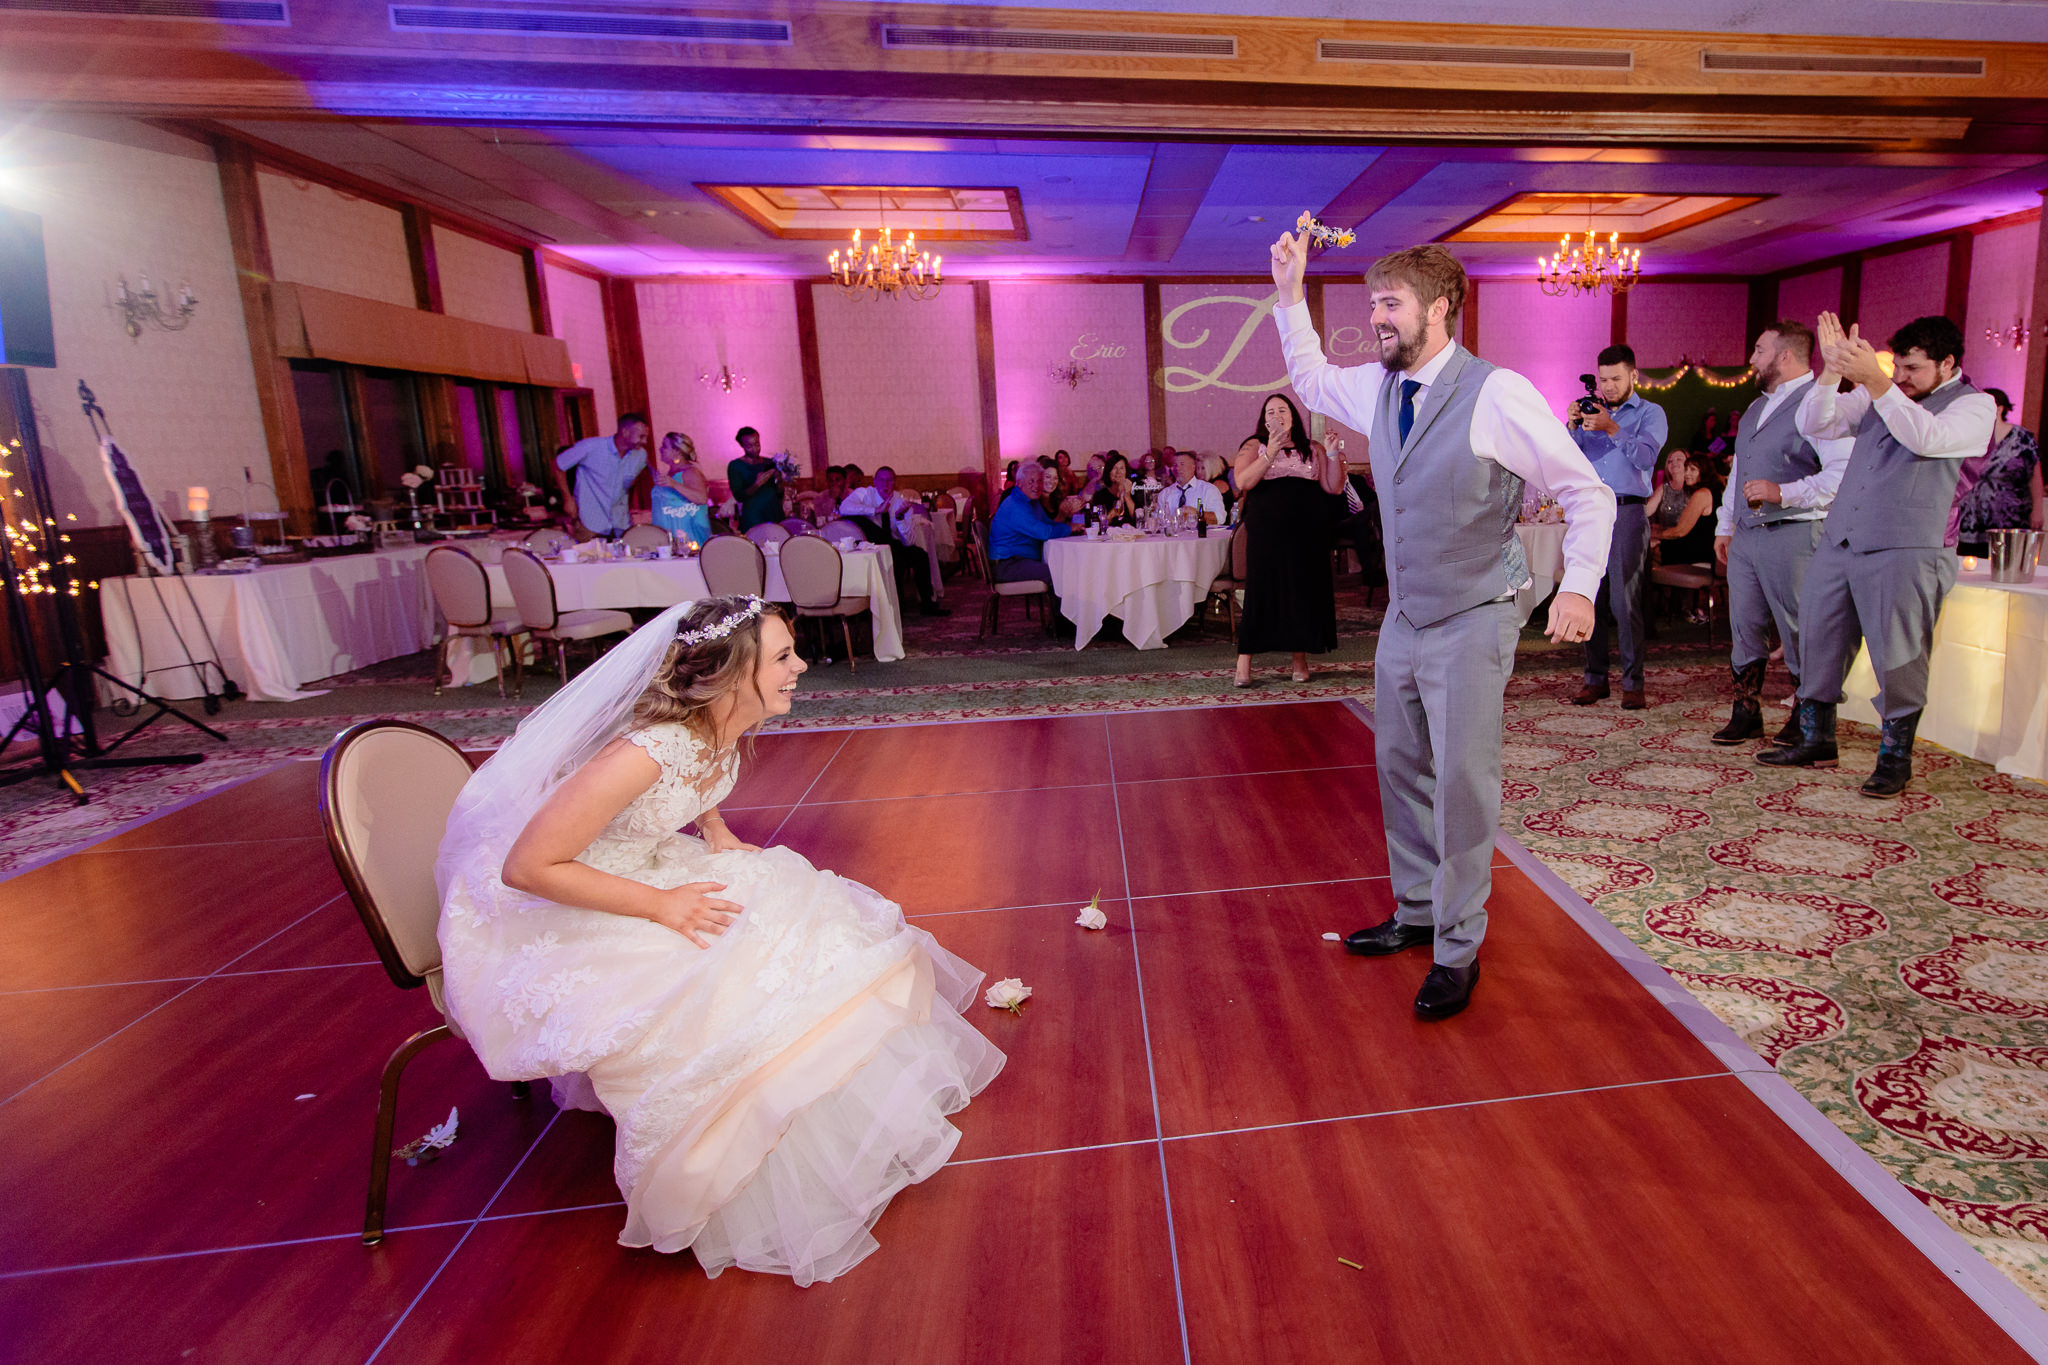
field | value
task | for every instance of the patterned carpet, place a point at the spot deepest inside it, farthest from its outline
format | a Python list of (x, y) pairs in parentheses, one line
[(1889, 958)]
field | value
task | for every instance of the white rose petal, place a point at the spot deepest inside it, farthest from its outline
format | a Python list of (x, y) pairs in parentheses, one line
[(1091, 918), (425, 471), (1007, 994), (409, 480), (1334, 938)]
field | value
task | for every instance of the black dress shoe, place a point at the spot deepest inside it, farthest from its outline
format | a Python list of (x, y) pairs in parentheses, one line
[(934, 609), (1446, 990), (1389, 936)]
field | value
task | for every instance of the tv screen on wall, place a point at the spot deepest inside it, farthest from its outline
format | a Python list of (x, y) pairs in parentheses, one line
[(26, 335)]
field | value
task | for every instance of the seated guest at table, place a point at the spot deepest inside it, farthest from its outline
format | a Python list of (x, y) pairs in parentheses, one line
[(1116, 501), (1069, 481), (885, 516), (825, 502), (1021, 527), (1290, 596), (1217, 471), (1188, 489), (1361, 525), (1999, 490), (682, 495), (1009, 476), (605, 469), (856, 477), (756, 482), (1682, 525)]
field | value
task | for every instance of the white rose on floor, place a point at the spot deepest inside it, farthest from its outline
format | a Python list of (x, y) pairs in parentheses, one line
[(1091, 917), (1008, 994)]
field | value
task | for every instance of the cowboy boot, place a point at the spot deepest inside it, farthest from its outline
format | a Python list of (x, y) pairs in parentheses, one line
[(1746, 721), (1894, 757), (1816, 746), (1788, 733)]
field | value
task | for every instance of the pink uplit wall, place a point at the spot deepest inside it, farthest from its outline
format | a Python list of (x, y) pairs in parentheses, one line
[(749, 326), (1701, 322), (1550, 341), (1039, 325), (901, 386), (2001, 293), (1222, 357), (1802, 298), (576, 309), (1901, 287)]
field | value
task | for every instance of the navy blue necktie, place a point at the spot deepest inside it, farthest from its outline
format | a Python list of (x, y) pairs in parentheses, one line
[(1408, 388)]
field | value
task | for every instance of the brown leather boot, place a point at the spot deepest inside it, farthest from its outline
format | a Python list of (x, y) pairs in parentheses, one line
[(1590, 693)]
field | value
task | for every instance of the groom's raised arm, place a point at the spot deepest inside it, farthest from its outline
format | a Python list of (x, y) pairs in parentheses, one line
[(1347, 394)]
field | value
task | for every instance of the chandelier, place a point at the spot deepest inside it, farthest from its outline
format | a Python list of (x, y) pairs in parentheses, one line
[(2014, 336), (885, 268), (1589, 264), (142, 307), (725, 378), (1072, 373)]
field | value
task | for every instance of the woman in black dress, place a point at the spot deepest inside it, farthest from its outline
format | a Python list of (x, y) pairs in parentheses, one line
[(1290, 594)]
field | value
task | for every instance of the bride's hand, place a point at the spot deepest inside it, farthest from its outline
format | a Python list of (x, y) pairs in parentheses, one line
[(719, 839), (691, 911)]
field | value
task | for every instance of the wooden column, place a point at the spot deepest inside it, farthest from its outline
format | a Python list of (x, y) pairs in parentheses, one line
[(1617, 321), (2037, 345), (814, 377), (1312, 295), (985, 375), (537, 292), (1763, 306), (622, 341), (276, 400), (426, 267), (1852, 294), (1155, 369), (1956, 300), (1468, 318)]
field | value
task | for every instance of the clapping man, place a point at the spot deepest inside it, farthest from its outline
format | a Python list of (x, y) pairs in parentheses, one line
[(886, 516), (1622, 435), (1189, 491), (1883, 565), (1453, 438)]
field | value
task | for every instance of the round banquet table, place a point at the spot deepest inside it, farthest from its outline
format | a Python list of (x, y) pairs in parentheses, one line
[(1153, 584), (1543, 544)]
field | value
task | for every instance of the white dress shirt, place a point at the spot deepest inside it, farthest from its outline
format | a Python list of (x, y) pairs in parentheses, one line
[(1200, 492), (1812, 494), (1511, 425), (866, 502), (1961, 430)]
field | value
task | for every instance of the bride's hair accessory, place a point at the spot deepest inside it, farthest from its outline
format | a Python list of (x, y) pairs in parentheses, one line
[(1320, 233), (750, 607)]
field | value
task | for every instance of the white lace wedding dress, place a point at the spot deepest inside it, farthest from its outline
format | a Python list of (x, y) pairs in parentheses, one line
[(773, 1092)]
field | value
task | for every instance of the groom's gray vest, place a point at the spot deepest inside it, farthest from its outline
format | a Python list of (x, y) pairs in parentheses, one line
[(1772, 449), (1890, 498), (1448, 517)]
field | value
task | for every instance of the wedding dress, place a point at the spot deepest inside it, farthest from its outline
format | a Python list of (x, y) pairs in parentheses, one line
[(773, 1092)]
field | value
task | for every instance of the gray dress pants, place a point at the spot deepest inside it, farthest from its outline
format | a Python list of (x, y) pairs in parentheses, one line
[(1437, 731), (1766, 570), (1886, 599), (1621, 599)]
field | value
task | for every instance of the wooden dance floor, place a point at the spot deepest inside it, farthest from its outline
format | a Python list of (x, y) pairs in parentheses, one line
[(1208, 1109)]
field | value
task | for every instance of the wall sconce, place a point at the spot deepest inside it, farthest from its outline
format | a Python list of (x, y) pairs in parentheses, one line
[(2014, 336), (140, 308), (1072, 373), (725, 379)]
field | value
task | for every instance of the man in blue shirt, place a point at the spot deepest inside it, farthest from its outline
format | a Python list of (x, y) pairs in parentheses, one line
[(1622, 441), (605, 469), (1020, 528)]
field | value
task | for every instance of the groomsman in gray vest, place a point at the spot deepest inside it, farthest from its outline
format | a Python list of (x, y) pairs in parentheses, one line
[(1883, 565), (1769, 524), (1623, 441), (1452, 440)]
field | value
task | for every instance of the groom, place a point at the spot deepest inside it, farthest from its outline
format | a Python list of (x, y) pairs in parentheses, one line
[(1452, 441)]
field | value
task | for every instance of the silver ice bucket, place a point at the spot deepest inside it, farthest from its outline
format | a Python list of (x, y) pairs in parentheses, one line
[(2014, 555)]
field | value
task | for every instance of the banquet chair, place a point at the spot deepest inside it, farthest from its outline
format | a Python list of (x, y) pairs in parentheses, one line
[(767, 533), (839, 528), (462, 590), (386, 790), (533, 592), (1230, 582), (815, 575), (797, 526), (548, 540), (733, 567), (963, 502), (1695, 579), (1030, 589), (974, 537), (647, 536)]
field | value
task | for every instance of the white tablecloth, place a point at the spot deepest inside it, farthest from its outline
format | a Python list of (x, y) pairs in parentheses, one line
[(277, 629), (868, 572), (1985, 692), (1543, 543), (1153, 584)]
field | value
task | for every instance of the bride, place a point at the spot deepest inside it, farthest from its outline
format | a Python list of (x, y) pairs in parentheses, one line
[(777, 1047)]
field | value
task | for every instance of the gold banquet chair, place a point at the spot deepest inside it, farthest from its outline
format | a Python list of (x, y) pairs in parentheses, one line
[(386, 790), (815, 574), (647, 536), (462, 590), (533, 593)]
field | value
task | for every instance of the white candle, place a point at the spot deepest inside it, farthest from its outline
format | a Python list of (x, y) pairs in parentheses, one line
[(196, 500)]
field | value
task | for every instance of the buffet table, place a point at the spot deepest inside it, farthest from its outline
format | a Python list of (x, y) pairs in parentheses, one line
[(1985, 692), (1153, 583)]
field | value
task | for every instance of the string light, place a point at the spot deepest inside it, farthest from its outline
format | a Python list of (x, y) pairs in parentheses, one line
[(1686, 367), (40, 569)]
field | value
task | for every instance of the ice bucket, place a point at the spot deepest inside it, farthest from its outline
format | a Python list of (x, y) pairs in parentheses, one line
[(2014, 555)]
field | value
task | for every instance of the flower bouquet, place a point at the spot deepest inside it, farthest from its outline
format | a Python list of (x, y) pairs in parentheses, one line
[(786, 465), (1321, 233)]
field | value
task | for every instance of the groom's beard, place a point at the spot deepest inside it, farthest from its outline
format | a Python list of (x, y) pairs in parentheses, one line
[(1402, 350)]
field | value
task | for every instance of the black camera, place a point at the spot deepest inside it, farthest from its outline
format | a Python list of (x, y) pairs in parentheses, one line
[(1592, 402)]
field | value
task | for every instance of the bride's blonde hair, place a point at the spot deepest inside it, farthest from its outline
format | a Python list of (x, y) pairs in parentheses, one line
[(692, 677)]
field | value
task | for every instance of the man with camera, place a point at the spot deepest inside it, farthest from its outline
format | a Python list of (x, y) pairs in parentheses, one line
[(1621, 433)]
